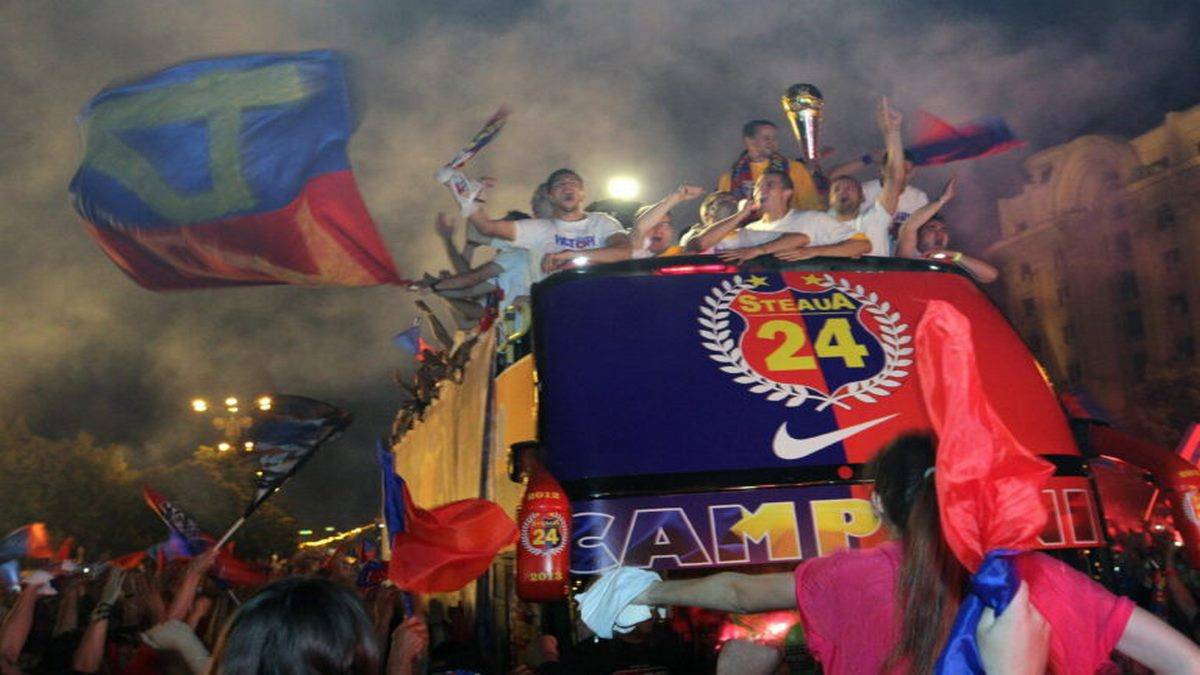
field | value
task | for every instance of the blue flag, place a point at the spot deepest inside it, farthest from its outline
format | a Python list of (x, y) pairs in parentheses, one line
[(229, 171), (286, 435)]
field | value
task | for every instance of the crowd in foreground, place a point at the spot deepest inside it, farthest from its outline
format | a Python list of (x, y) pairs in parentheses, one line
[(885, 609)]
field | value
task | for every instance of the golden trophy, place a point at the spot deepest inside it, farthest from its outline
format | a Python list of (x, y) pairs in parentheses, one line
[(803, 103)]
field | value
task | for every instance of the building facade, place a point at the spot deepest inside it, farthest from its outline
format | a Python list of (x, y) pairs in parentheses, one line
[(1100, 255)]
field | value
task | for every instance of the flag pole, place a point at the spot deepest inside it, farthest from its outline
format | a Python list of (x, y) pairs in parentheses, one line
[(237, 524)]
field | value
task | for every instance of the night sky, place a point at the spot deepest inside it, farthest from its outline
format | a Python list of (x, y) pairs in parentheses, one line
[(656, 90)]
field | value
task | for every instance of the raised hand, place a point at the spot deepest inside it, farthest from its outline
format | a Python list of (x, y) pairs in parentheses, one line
[(687, 191), (888, 118), (949, 192)]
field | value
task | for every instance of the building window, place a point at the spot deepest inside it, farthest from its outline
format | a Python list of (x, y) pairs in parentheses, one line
[(1035, 344), (1026, 272), (1127, 285), (1064, 294), (1068, 333), (1134, 328), (1123, 244), (1171, 258), (1185, 348), (1178, 304), (1138, 364), (1029, 307), (1165, 217)]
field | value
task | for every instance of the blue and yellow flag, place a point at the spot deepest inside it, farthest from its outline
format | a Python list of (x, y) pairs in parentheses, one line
[(229, 171)]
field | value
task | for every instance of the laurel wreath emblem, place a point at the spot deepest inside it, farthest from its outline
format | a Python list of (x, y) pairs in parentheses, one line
[(714, 328)]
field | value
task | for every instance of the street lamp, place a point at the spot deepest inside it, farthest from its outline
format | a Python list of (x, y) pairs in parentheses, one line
[(623, 187)]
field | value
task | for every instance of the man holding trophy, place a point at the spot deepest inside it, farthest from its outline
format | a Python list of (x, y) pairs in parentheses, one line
[(761, 153)]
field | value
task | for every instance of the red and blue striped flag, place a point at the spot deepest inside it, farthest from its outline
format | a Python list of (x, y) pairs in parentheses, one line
[(939, 142), (28, 541), (229, 171), (444, 548)]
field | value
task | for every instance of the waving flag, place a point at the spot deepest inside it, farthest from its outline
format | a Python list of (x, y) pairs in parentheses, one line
[(173, 548), (490, 130), (938, 142), (988, 484), (229, 171), (1189, 445), (10, 575), (29, 541), (286, 436), (179, 521), (129, 561), (444, 548)]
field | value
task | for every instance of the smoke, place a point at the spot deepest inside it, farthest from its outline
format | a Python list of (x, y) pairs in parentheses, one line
[(655, 90)]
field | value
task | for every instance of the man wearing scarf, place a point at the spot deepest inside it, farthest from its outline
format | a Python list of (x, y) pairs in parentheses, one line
[(761, 138)]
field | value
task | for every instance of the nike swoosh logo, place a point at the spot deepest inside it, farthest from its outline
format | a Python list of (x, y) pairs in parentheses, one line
[(786, 447)]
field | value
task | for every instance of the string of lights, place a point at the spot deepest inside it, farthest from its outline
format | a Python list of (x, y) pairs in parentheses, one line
[(333, 538)]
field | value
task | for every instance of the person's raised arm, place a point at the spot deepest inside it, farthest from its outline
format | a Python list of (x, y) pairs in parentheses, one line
[(1157, 646), (726, 592), (89, 655), (711, 235), (500, 229), (906, 239), (17, 623), (855, 165), (889, 120), (683, 193), (786, 242), (181, 604), (445, 231)]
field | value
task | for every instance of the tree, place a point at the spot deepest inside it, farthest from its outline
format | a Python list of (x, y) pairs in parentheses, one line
[(89, 491)]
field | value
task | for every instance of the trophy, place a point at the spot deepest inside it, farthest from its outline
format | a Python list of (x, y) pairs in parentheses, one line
[(803, 103)]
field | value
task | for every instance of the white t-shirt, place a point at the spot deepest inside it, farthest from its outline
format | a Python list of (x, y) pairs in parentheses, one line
[(874, 222), (821, 228), (517, 277), (910, 200), (551, 235)]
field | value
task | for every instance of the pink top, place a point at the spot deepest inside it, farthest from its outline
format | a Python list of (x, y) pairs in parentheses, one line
[(846, 602)]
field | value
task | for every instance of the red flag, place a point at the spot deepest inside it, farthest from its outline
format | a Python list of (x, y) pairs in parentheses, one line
[(237, 572), (988, 484), (64, 549), (447, 547), (938, 142), (29, 541), (129, 561)]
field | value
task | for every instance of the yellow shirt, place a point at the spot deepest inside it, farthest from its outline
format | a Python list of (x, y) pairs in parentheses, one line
[(804, 197)]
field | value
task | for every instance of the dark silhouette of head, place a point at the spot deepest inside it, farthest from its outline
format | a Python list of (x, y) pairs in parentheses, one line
[(302, 626)]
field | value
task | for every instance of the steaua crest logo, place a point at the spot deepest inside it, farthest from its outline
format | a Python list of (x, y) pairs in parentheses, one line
[(831, 343)]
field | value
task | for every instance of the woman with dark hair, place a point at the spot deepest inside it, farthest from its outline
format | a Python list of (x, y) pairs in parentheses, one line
[(890, 608), (299, 625)]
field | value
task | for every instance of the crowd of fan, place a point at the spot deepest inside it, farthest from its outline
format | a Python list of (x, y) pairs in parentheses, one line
[(316, 615), (766, 204)]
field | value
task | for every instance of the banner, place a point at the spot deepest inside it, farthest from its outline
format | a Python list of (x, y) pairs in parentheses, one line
[(286, 435), (229, 171)]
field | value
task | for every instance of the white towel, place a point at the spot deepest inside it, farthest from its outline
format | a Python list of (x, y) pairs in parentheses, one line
[(607, 606)]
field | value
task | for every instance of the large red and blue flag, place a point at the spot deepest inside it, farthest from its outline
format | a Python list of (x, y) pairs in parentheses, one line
[(229, 171), (28, 541), (444, 548), (939, 142)]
